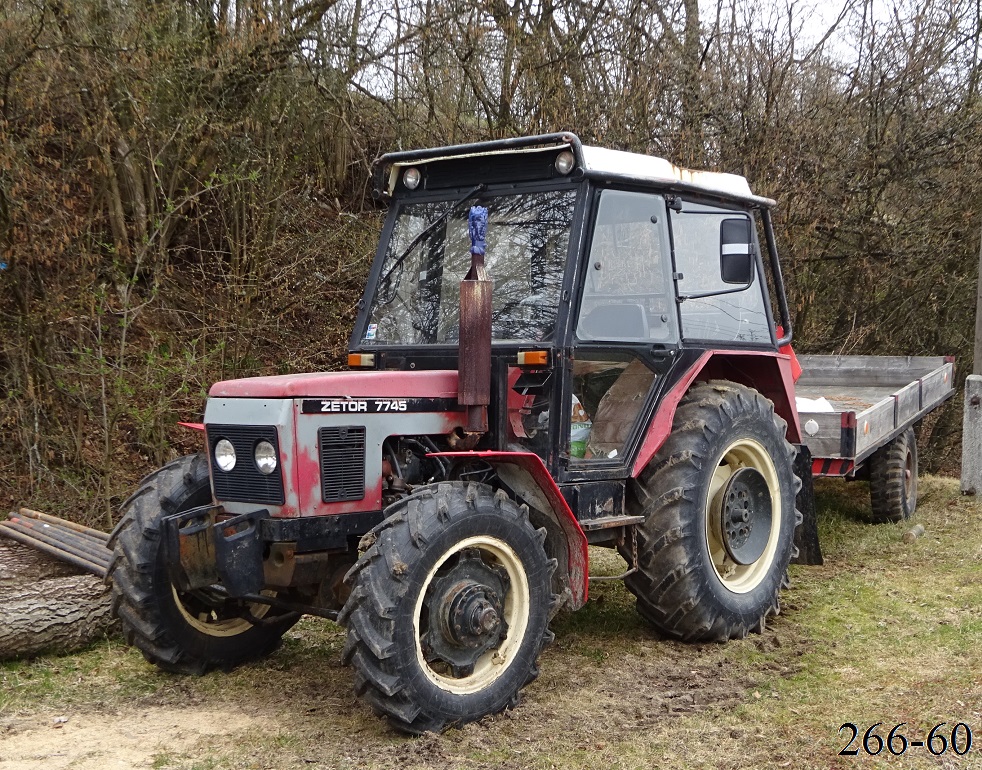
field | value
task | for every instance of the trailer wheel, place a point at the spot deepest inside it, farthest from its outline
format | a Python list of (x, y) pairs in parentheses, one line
[(449, 608), (893, 479), (719, 501), (185, 633)]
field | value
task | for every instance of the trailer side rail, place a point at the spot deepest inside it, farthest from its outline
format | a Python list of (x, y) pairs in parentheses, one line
[(872, 399)]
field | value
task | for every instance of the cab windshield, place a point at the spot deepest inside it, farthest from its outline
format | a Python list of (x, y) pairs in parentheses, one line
[(417, 299)]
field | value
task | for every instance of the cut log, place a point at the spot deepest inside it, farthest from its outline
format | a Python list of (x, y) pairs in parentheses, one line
[(47, 605)]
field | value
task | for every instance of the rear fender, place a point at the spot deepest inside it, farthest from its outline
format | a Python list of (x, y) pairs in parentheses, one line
[(768, 373), (528, 477)]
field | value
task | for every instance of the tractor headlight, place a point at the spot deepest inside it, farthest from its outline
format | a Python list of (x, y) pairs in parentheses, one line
[(565, 162), (411, 178), (265, 457), (225, 455)]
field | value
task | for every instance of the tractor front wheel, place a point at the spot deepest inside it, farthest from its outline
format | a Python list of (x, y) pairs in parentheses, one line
[(719, 501), (181, 632), (449, 608)]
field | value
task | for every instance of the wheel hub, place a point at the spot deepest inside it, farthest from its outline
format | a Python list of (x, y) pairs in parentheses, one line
[(473, 611), (466, 613), (746, 515)]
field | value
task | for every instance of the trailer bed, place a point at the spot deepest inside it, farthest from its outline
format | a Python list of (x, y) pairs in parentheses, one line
[(870, 401)]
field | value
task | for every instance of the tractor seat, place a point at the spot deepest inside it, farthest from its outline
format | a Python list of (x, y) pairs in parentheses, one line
[(618, 410)]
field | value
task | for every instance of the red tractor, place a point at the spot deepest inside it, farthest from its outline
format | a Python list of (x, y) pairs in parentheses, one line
[(559, 346)]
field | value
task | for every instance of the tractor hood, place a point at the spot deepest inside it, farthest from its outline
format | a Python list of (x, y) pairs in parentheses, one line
[(384, 384)]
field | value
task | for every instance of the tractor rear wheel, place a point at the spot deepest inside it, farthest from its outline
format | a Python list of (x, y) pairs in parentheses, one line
[(181, 632), (719, 501), (893, 479), (449, 608)]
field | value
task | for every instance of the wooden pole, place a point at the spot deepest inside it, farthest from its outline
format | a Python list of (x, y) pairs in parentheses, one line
[(977, 357)]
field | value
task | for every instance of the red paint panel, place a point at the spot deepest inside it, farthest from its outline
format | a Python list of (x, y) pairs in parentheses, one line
[(578, 555), (789, 352), (380, 384), (288, 467), (768, 373), (661, 425), (306, 468), (306, 471), (517, 404), (308, 475)]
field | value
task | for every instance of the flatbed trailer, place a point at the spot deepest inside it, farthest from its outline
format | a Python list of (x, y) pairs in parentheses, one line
[(869, 402)]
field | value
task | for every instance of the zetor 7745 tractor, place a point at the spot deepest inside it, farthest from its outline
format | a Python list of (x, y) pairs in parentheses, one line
[(559, 346)]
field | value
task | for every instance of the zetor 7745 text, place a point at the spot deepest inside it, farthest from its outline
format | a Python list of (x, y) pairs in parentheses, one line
[(560, 346)]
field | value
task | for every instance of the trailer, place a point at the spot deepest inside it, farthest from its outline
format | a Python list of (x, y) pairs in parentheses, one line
[(857, 416)]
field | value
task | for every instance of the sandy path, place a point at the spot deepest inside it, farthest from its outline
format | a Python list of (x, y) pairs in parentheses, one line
[(108, 742)]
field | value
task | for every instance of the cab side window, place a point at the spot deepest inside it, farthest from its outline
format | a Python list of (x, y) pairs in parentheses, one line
[(729, 316)]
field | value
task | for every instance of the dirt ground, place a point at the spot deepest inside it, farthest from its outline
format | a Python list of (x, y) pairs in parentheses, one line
[(129, 739), (606, 680), (885, 631), (324, 726)]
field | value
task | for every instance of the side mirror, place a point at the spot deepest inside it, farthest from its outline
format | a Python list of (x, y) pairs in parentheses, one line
[(736, 253)]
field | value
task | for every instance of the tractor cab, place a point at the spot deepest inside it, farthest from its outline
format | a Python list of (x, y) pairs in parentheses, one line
[(608, 271)]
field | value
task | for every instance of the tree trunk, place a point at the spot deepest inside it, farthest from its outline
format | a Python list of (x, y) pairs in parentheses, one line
[(693, 148), (46, 605)]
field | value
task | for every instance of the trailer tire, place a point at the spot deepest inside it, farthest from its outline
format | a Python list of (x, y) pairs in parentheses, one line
[(719, 502), (893, 479), (174, 630), (449, 608)]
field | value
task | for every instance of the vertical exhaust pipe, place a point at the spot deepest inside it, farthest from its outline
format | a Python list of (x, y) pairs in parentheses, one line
[(474, 346)]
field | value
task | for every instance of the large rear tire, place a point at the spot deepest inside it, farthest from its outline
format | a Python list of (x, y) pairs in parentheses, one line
[(719, 502), (449, 608), (186, 633), (893, 479)]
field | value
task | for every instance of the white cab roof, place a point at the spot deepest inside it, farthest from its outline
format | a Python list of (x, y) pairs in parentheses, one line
[(654, 169)]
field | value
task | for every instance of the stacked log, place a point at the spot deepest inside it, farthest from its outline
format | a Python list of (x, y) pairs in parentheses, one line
[(47, 605)]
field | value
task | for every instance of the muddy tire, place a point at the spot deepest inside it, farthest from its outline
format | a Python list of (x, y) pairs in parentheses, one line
[(893, 479), (177, 631), (449, 608), (720, 516)]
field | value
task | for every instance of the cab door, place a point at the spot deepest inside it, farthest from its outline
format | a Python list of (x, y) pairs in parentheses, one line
[(625, 335)]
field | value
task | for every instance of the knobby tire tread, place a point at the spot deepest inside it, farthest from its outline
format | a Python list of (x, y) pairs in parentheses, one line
[(887, 483), (379, 583), (179, 485), (670, 583)]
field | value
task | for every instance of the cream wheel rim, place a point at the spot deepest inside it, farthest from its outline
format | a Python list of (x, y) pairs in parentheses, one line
[(514, 614), (741, 578), (209, 623)]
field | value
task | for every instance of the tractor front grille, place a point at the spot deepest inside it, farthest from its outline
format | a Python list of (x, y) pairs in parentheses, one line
[(244, 483), (342, 454)]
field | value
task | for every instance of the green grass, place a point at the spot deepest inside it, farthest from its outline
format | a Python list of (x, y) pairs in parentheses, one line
[(884, 632)]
